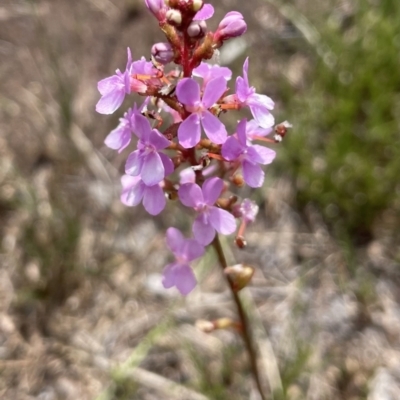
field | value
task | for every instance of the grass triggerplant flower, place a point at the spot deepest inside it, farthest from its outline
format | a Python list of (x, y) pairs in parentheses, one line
[(181, 149)]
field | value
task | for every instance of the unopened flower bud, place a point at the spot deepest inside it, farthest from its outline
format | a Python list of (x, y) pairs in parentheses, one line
[(197, 4), (240, 275), (238, 180), (157, 7), (162, 53), (232, 25), (197, 29), (174, 17)]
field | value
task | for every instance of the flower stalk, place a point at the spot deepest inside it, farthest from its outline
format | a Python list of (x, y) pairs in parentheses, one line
[(246, 331)]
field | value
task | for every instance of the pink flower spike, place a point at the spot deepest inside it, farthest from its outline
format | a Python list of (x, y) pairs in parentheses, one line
[(114, 88), (179, 273)]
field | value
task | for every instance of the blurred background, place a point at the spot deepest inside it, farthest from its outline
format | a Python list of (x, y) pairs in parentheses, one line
[(82, 311)]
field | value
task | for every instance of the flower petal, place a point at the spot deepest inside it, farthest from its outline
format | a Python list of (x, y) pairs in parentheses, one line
[(241, 132), (158, 140), (189, 131), (168, 164), (109, 84), (134, 163), (261, 154), (203, 232), (212, 189), (110, 101), (192, 249), (185, 279), (118, 138), (190, 195), (242, 89), (188, 91), (231, 149), (141, 126), (152, 169), (213, 127), (214, 89), (222, 221), (206, 12), (181, 276), (174, 239), (169, 275), (252, 174), (154, 199), (132, 190)]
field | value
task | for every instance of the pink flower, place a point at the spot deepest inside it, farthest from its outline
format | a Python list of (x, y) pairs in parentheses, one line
[(209, 217), (114, 88), (134, 191), (239, 150), (179, 273), (259, 104), (188, 93), (147, 161)]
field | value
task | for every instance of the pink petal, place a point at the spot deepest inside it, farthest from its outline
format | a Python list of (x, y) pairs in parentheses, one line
[(188, 91), (206, 12), (168, 164), (192, 250), (174, 239), (252, 174), (185, 280), (222, 221), (158, 140), (110, 102), (203, 232), (262, 116), (242, 89), (212, 189), (190, 195), (241, 132), (134, 163), (231, 149), (119, 138), (153, 169), (169, 275), (132, 191), (262, 155), (214, 128), (142, 126), (214, 89), (154, 199), (109, 84), (189, 131)]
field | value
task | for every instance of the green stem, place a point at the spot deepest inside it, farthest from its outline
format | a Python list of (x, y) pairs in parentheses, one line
[(246, 329)]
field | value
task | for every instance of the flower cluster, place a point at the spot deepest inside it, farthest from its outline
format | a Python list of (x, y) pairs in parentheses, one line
[(187, 153)]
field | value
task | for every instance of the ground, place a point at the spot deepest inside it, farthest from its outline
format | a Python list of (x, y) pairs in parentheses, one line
[(83, 314)]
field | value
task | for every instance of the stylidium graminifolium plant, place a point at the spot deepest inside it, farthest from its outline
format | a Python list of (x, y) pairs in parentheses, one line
[(194, 159)]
